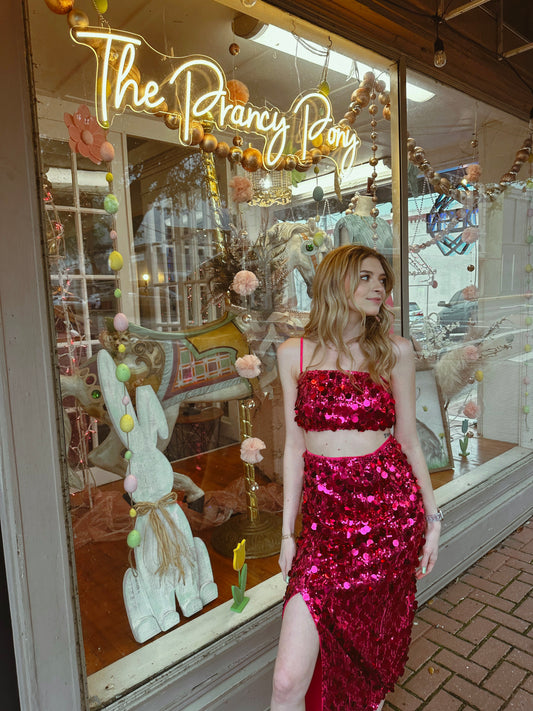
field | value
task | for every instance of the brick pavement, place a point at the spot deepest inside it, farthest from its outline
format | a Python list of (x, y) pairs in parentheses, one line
[(472, 644)]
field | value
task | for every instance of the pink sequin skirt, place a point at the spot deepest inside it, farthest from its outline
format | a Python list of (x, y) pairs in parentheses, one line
[(362, 530)]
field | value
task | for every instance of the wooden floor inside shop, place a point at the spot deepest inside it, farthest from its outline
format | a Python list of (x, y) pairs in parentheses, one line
[(101, 564)]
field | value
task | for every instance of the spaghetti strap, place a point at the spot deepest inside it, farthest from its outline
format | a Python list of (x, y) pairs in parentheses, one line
[(301, 355)]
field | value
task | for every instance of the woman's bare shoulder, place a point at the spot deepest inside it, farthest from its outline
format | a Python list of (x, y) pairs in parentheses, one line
[(402, 347)]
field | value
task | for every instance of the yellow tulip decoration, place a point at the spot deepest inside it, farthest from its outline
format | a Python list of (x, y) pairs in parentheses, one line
[(239, 556)]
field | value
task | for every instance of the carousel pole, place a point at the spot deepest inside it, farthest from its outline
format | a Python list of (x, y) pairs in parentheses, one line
[(262, 530)]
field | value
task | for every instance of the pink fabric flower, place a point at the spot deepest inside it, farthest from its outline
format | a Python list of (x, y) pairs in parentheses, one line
[(245, 283), (86, 136), (242, 189), (473, 173), (251, 450), (248, 366), (471, 410), (470, 293), (470, 235), (471, 353)]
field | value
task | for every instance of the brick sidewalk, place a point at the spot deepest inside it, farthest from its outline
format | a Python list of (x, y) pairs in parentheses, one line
[(472, 646)]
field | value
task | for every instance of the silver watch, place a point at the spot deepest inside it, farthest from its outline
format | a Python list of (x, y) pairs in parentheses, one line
[(435, 517)]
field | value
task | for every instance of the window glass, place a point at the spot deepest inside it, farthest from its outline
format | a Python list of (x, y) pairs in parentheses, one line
[(469, 277)]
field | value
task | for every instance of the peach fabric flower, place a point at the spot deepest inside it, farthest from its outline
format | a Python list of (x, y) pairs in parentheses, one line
[(251, 450), (245, 283), (470, 293), (242, 189), (86, 136), (471, 410), (248, 366), (470, 235), (473, 173), (471, 353)]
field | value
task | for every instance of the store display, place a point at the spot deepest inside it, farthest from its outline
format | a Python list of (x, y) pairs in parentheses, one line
[(169, 562)]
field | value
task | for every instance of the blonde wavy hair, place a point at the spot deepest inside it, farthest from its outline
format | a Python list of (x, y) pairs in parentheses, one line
[(336, 279)]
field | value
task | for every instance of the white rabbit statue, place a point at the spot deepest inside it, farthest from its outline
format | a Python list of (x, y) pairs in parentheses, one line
[(151, 590)]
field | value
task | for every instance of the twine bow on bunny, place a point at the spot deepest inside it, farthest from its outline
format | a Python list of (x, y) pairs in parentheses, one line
[(171, 543)]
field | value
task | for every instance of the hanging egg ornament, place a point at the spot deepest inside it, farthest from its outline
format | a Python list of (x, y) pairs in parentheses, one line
[(134, 538), (386, 112), (117, 293), (222, 150), (109, 177), (470, 267), (126, 423), (77, 18), (234, 49), (252, 160), (318, 193), (237, 141), (318, 239), (110, 204), (122, 373), (60, 7), (130, 484), (478, 375), (121, 348), (126, 400), (115, 261), (323, 88), (107, 151), (127, 455), (120, 322), (133, 512), (101, 6)]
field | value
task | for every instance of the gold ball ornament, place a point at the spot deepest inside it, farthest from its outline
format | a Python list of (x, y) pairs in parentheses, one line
[(325, 149), (222, 150), (252, 160), (196, 133), (384, 98), (361, 96), (380, 86), (280, 165), (209, 143), (77, 18), (172, 121), (60, 7), (237, 141), (290, 162), (316, 155), (386, 112), (234, 49), (470, 267), (235, 155)]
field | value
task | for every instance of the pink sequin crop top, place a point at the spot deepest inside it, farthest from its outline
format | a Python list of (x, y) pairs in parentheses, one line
[(334, 400)]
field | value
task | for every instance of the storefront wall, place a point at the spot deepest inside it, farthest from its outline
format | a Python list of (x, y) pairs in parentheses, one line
[(203, 671)]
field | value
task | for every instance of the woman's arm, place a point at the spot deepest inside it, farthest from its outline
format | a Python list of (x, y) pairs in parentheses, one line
[(403, 390), (293, 466)]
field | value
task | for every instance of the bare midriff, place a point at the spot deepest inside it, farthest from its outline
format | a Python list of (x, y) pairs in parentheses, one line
[(345, 443)]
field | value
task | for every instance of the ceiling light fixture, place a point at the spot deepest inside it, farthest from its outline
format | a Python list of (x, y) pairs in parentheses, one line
[(439, 55)]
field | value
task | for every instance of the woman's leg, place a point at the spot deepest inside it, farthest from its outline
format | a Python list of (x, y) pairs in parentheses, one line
[(297, 655)]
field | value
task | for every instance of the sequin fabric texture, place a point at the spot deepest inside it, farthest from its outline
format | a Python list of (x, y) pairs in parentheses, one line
[(334, 400), (362, 529)]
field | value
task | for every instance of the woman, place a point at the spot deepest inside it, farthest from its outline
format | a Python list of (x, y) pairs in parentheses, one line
[(366, 496)]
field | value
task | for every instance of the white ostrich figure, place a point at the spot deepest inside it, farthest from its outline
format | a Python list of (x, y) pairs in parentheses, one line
[(151, 590)]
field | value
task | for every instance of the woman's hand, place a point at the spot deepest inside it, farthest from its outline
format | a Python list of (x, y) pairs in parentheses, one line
[(288, 549), (430, 550)]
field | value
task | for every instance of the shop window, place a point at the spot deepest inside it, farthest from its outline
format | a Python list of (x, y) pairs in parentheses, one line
[(469, 277)]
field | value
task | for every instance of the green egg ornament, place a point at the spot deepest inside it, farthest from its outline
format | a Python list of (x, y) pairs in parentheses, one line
[(529, 320), (122, 372), (110, 204), (134, 538), (318, 194), (115, 261), (126, 423), (117, 293), (318, 239), (527, 348), (526, 409), (127, 455)]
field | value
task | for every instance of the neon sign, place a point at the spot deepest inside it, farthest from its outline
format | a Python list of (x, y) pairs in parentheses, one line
[(194, 89)]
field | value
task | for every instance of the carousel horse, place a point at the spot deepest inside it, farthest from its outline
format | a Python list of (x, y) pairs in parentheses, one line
[(196, 365)]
